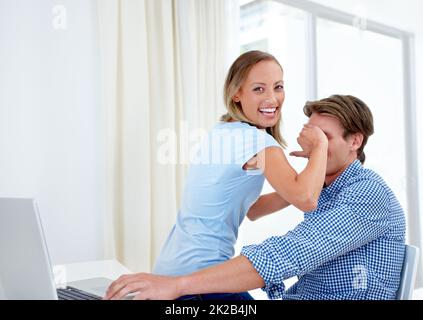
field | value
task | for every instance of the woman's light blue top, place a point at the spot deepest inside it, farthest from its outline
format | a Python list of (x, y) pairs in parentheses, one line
[(217, 196)]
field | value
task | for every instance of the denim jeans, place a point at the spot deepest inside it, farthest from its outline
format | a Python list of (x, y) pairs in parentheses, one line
[(217, 296)]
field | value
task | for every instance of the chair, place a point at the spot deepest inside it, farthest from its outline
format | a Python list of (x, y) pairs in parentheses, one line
[(408, 273)]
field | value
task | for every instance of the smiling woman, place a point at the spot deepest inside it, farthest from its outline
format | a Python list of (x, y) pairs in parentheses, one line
[(219, 193), (262, 101), (159, 80), (254, 84)]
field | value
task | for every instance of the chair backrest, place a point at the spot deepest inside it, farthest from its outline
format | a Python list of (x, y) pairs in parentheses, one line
[(408, 273)]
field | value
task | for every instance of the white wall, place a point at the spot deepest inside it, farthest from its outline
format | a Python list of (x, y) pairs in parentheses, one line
[(51, 127), (406, 15)]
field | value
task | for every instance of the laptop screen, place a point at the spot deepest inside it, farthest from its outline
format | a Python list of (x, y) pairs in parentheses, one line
[(25, 270)]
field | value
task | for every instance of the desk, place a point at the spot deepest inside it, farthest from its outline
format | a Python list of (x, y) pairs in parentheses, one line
[(418, 294), (110, 269)]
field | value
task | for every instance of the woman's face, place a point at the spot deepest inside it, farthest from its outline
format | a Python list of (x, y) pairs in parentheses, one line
[(262, 94)]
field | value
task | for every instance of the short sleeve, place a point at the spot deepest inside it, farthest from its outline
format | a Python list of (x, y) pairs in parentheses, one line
[(234, 143), (254, 141)]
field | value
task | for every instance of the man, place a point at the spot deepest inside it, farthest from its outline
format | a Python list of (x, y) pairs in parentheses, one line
[(350, 247)]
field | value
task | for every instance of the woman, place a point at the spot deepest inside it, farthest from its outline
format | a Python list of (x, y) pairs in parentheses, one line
[(224, 184)]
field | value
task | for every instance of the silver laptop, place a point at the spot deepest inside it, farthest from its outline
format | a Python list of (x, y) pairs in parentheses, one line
[(25, 267)]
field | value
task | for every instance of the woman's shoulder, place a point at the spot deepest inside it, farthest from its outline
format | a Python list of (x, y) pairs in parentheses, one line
[(250, 134), (243, 129), (232, 125)]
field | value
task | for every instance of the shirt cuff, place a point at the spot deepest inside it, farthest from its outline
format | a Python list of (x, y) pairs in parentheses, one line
[(266, 268)]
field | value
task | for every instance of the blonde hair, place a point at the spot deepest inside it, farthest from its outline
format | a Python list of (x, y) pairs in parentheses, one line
[(237, 74)]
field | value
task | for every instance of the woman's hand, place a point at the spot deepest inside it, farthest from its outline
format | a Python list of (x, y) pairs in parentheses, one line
[(145, 286), (310, 137)]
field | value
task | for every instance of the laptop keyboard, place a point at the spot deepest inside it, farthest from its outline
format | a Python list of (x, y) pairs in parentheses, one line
[(70, 293)]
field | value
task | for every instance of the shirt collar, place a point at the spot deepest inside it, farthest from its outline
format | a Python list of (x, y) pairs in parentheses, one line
[(352, 170)]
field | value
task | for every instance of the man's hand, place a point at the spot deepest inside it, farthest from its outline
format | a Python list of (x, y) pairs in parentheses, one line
[(145, 286)]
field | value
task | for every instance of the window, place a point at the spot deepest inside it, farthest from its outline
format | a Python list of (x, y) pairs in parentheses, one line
[(324, 53), (369, 66)]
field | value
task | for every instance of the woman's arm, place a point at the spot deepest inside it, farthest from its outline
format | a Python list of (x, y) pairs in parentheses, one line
[(265, 205), (301, 190)]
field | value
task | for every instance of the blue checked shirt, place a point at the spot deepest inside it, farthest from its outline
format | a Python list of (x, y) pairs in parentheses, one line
[(350, 247)]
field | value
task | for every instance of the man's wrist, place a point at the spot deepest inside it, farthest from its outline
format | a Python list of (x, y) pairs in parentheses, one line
[(182, 285)]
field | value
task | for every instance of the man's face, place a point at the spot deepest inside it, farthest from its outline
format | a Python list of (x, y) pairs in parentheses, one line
[(341, 151)]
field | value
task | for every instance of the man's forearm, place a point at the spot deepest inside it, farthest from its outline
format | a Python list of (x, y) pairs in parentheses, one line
[(235, 275)]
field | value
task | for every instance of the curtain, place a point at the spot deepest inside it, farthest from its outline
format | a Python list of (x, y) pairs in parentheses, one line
[(163, 64)]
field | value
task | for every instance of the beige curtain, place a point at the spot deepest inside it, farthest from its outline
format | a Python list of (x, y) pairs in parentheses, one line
[(162, 68)]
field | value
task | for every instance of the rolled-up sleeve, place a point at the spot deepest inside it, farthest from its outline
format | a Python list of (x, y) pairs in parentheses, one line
[(356, 216)]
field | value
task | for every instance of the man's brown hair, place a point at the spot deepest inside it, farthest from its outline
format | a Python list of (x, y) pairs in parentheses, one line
[(355, 116)]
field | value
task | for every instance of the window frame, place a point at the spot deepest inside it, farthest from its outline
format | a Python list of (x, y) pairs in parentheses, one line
[(314, 11)]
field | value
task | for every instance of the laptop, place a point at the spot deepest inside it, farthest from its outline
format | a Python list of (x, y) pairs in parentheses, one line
[(25, 267)]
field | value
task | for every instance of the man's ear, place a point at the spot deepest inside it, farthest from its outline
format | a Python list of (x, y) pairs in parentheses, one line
[(357, 141)]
